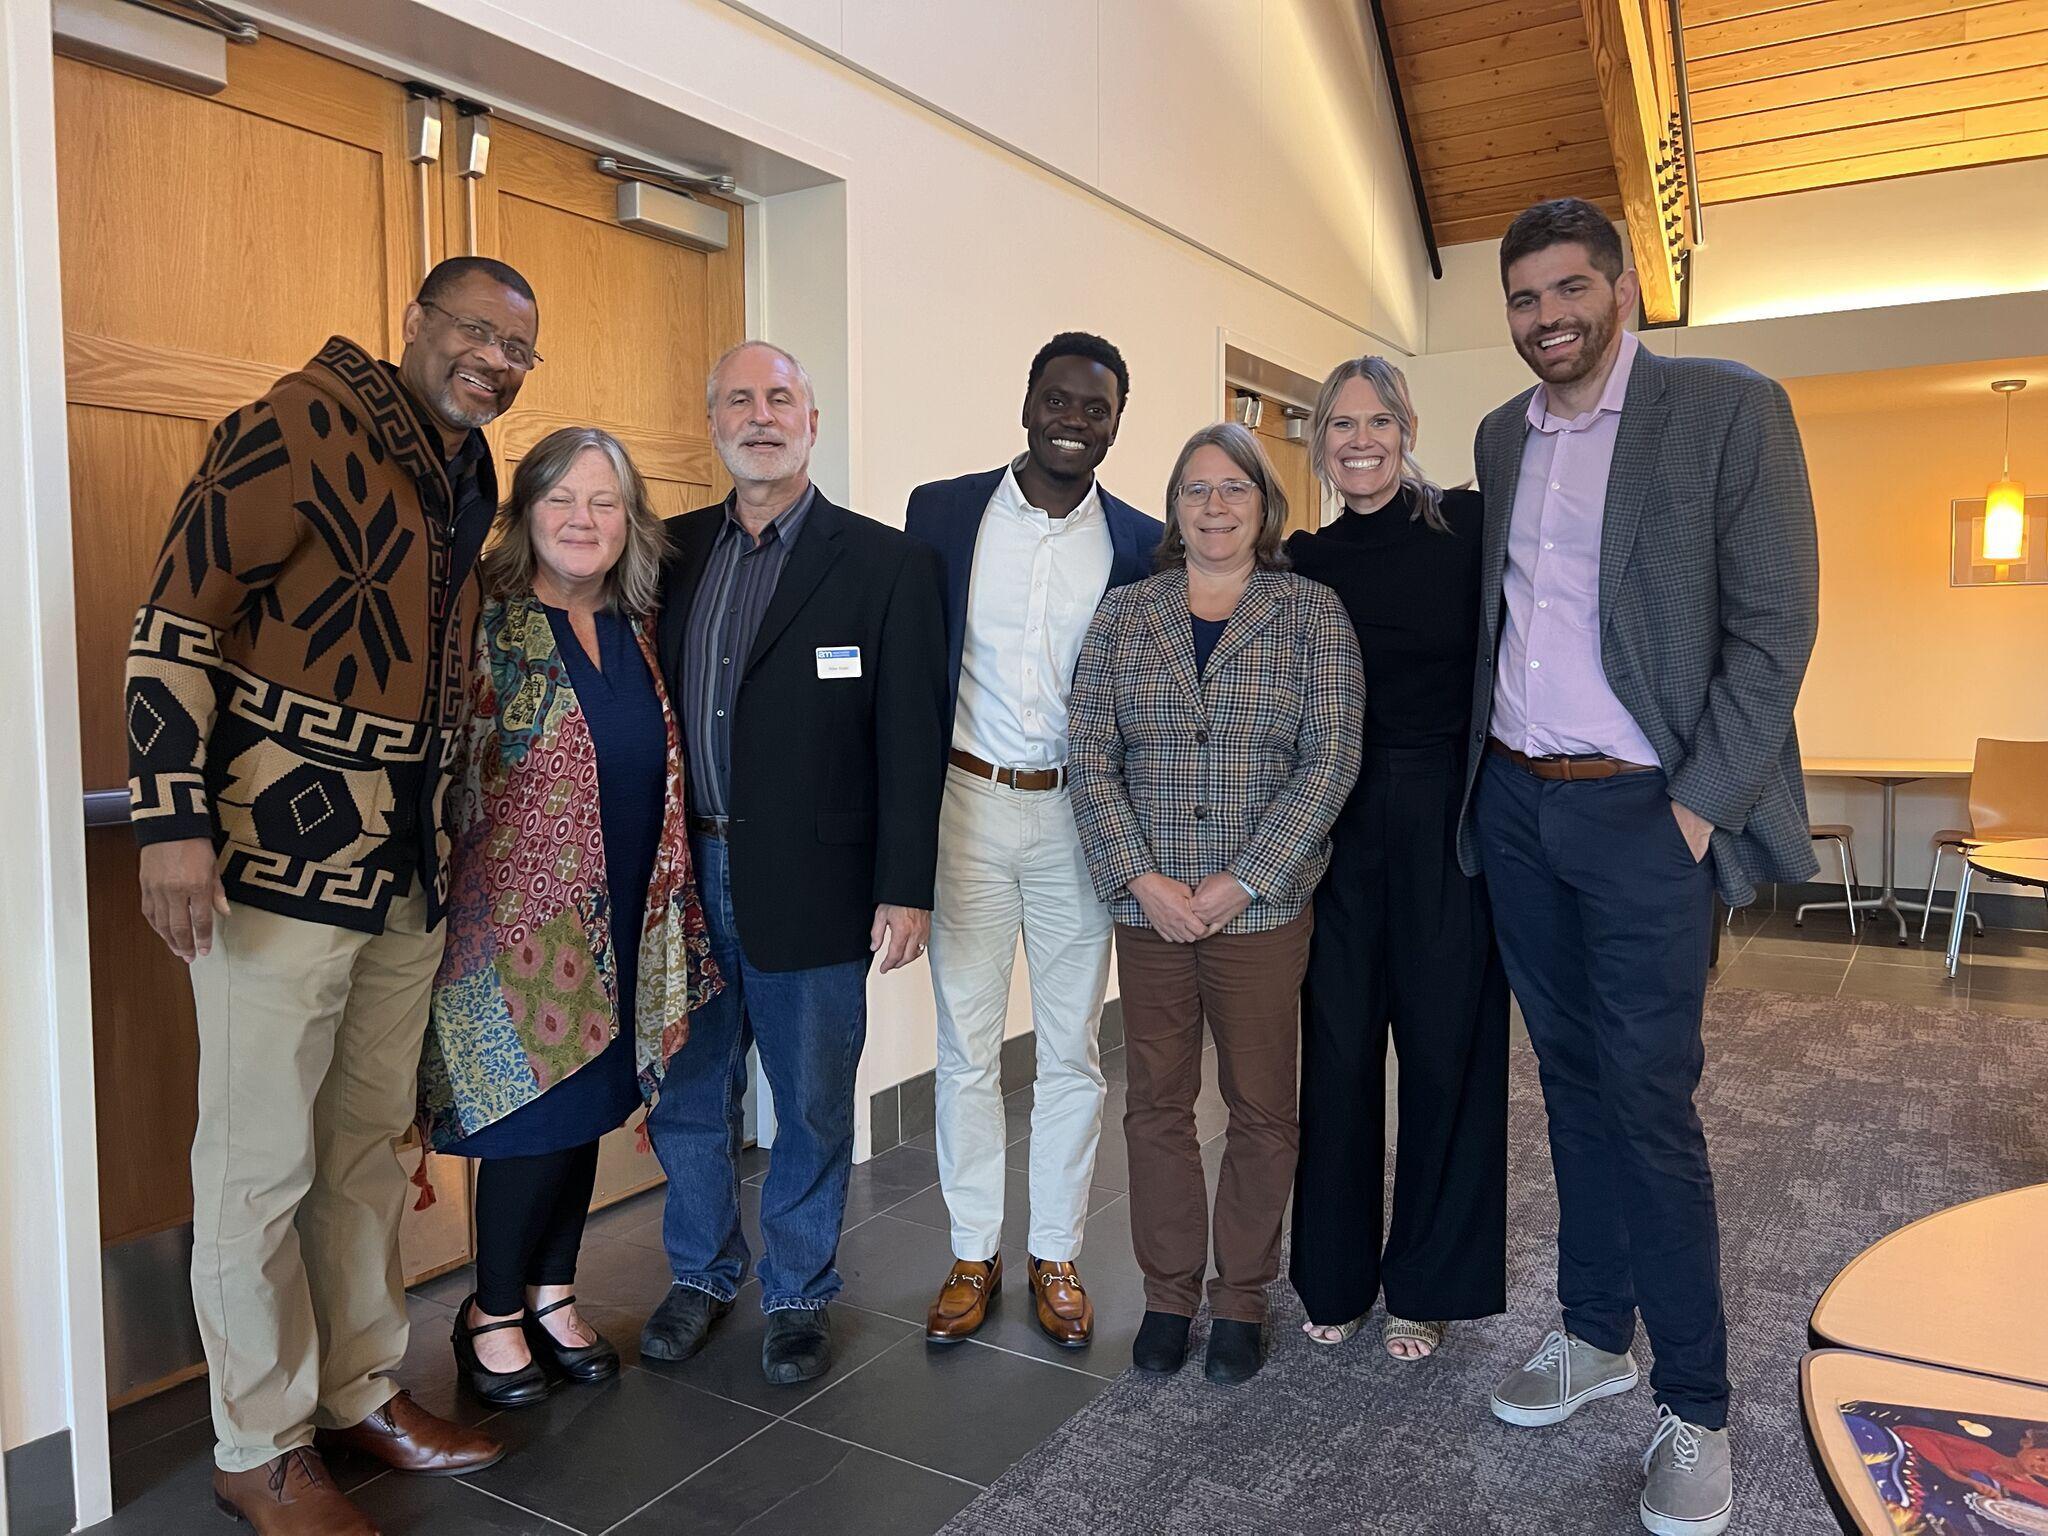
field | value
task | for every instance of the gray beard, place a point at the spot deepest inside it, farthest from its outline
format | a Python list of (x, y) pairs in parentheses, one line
[(757, 468), (455, 415)]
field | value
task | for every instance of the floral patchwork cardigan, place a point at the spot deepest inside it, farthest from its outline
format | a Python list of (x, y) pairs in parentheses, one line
[(528, 988)]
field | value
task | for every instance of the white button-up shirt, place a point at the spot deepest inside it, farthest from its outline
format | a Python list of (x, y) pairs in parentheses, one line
[(1036, 583)]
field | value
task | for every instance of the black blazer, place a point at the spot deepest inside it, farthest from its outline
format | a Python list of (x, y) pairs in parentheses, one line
[(946, 514), (836, 782)]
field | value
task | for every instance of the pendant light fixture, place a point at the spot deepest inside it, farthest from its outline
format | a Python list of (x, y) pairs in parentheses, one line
[(2005, 503)]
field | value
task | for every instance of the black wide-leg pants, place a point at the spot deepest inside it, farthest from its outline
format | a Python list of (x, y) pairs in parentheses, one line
[(1403, 943)]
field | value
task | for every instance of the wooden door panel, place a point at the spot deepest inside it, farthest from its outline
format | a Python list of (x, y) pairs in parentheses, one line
[(210, 245), (120, 461), (145, 1049), (204, 184)]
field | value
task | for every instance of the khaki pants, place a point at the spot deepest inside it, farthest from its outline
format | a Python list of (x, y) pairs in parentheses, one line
[(309, 1048), (1010, 861), (1248, 986)]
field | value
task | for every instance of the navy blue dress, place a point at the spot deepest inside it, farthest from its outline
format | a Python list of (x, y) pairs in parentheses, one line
[(623, 713)]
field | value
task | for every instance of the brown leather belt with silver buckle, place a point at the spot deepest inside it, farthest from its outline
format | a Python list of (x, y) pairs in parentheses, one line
[(1014, 778), (1566, 768), (709, 826)]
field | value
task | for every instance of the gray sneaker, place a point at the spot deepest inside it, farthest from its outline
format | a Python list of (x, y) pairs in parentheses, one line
[(1688, 1487), (1561, 1376)]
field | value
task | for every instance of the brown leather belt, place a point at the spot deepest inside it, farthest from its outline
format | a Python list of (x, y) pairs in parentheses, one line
[(1567, 768), (709, 826), (1014, 778)]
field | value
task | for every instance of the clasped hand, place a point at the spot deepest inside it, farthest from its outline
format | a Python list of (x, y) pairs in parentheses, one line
[(1181, 915)]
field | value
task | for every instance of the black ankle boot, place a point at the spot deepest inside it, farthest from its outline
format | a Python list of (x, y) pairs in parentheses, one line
[(1162, 1343), (1235, 1351)]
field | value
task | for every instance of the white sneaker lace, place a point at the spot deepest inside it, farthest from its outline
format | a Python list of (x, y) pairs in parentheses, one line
[(1551, 1355), (1685, 1442)]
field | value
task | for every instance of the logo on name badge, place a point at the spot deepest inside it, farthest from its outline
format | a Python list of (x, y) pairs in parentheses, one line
[(839, 661)]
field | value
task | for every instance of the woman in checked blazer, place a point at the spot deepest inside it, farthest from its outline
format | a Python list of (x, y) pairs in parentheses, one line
[(1214, 734)]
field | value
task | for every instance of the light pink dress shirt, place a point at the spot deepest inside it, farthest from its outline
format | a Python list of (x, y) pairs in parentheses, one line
[(1550, 693)]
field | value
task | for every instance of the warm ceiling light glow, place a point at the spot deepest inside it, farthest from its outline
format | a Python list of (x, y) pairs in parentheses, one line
[(2005, 504), (2005, 523)]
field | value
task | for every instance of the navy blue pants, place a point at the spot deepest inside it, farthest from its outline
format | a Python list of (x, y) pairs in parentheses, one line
[(1605, 922)]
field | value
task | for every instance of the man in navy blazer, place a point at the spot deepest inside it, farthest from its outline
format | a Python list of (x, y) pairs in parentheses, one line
[(1028, 550)]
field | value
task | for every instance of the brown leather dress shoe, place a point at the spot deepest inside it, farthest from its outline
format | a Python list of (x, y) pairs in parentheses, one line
[(1064, 1310), (963, 1301), (406, 1437), (290, 1495)]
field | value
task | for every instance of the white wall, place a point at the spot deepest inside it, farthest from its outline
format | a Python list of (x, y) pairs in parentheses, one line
[(1258, 129), (49, 1214)]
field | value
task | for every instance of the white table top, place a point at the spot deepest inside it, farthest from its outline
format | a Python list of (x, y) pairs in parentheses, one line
[(1877, 769)]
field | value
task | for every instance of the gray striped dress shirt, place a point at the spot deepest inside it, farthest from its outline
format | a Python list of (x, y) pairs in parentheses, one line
[(738, 583)]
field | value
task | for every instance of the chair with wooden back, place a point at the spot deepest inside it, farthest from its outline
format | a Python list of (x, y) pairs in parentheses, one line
[(2008, 801)]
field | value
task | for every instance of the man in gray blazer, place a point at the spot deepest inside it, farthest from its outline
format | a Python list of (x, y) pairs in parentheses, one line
[(1649, 587)]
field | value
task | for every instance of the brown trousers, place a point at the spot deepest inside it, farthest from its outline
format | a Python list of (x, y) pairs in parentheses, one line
[(1248, 986)]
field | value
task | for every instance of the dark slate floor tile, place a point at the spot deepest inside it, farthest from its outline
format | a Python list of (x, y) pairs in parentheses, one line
[(884, 1180), (895, 1267), (791, 1481), (590, 1456), (637, 1219), (730, 1364), (443, 1506), (164, 1488), (753, 1164), (967, 1410), (450, 1289), (1818, 976)]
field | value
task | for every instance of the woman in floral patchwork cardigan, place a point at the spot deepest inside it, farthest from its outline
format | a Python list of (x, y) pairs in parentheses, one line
[(576, 944)]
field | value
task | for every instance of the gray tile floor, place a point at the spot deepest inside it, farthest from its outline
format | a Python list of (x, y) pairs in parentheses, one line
[(900, 1435)]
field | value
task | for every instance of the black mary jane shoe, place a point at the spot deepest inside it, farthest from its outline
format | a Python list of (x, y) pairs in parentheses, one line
[(1161, 1347), (581, 1362), (501, 1389)]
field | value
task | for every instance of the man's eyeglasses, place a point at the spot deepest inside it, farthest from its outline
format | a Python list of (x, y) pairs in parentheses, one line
[(482, 334), (1232, 493)]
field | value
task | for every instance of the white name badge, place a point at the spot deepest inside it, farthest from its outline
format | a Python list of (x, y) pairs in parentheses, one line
[(839, 661)]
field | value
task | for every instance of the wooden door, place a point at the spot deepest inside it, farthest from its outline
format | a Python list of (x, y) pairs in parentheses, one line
[(1290, 462), (198, 267), (629, 326)]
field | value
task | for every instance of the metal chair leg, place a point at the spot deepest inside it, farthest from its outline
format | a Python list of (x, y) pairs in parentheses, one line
[(1927, 912), (1848, 884), (1955, 926)]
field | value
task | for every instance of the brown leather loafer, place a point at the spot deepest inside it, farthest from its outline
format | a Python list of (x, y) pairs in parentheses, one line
[(407, 1438), (290, 1495), (1064, 1310), (963, 1301)]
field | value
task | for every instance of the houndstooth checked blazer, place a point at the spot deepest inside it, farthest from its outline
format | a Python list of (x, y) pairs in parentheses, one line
[(1709, 599), (1243, 768)]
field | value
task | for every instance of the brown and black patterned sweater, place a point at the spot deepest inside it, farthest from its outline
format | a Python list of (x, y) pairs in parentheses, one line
[(295, 678)]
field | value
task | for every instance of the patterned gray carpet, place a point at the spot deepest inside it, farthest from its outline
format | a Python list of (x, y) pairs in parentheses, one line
[(1831, 1123)]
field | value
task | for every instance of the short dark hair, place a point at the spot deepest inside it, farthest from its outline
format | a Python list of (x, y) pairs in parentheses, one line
[(1562, 221), (1082, 344), (447, 274)]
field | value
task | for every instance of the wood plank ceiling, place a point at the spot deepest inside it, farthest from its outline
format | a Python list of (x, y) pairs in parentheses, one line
[(1505, 105)]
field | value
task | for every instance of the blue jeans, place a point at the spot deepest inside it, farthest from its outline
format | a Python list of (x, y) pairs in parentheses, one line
[(1605, 922), (810, 1026)]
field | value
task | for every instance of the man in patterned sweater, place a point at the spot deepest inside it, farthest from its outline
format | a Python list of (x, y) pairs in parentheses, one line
[(293, 684)]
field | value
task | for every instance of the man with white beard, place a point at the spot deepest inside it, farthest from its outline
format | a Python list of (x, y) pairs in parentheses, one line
[(805, 649)]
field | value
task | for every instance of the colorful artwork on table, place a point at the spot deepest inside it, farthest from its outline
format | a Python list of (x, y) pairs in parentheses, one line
[(1942, 1473)]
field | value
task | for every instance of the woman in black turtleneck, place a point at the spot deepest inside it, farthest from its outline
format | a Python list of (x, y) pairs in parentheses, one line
[(1403, 940)]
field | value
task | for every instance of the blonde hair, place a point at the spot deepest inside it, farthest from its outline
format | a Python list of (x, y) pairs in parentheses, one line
[(1244, 451), (633, 584), (1391, 385)]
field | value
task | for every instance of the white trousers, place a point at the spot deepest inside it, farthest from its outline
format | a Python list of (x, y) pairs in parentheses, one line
[(1009, 861)]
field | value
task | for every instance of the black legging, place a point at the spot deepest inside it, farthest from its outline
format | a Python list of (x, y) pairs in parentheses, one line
[(529, 1223)]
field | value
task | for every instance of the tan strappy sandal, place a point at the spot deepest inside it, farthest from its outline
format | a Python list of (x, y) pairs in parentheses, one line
[(1398, 1329), (1344, 1331)]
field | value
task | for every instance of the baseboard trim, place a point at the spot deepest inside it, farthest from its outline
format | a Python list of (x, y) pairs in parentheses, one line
[(40, 1498), (906, 1110)]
